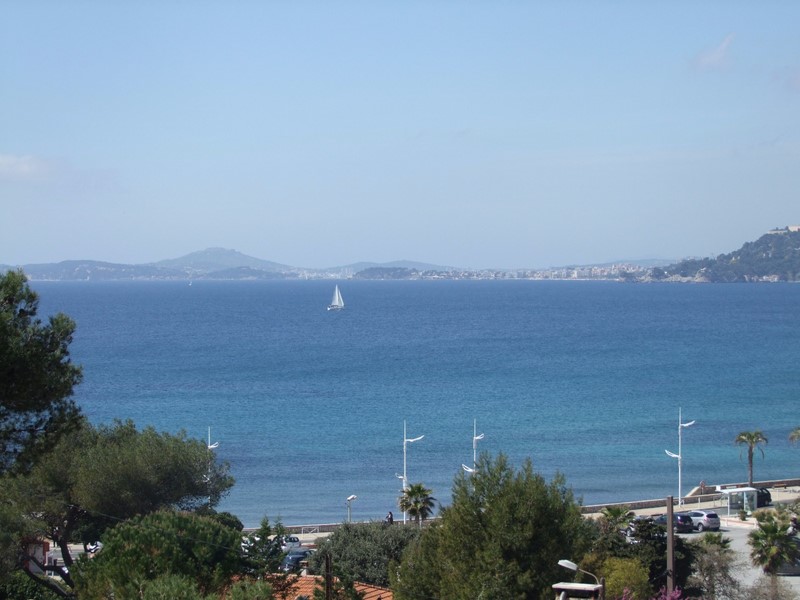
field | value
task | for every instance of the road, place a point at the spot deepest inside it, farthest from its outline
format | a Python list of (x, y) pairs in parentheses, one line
[(745, 572)]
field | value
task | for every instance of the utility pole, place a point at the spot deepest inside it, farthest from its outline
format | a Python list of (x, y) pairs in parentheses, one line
[(670, 548), (328, 578)]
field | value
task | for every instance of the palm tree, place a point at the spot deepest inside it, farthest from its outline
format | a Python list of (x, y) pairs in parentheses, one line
[(714, 568), (417, 502), (753, 440), (794, 436), (771, 546), (615, 517), (717, 541)]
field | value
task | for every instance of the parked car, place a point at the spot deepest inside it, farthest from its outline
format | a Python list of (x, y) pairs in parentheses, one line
[(295, 559), (764, 497), (633, 525), (681, 523), (704, 520), (289, 542)]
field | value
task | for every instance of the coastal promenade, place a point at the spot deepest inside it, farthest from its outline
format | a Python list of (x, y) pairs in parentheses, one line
[(783, 491)]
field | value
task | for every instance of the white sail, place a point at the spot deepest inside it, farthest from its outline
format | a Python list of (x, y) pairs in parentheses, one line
[(336, 302)]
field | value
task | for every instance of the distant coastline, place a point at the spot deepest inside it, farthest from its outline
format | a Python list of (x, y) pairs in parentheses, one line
[(774, 257), (218, 264)]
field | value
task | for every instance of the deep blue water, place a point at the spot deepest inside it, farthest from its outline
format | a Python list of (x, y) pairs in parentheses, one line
[(586, 378)]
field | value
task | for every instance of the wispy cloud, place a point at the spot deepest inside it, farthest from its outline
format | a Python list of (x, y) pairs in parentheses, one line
[(715, 58), (23, 168), (53, 178)]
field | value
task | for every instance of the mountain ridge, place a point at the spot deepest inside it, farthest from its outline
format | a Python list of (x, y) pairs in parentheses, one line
[(211, 263)]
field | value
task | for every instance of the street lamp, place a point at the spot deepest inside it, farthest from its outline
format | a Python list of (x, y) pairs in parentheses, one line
[(601, 583), (406, 441), (349, 501), (475, 438), (679, 456), (210, 445)]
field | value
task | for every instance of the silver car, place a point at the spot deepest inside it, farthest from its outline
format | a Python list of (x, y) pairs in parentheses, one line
[(289, 542), (704, 520)]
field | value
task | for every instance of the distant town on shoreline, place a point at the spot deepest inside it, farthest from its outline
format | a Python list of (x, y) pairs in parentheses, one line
[(774, 257)]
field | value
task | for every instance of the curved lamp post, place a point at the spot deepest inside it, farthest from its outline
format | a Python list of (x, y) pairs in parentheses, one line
[(568, 564), (349, 501), (406, 441), (475, 438), (210, 445), (679, 456)]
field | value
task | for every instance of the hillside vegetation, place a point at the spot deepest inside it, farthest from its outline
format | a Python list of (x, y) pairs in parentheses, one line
[(774, 256)]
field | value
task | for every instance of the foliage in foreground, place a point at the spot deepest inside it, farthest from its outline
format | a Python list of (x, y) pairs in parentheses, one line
[(497, 540), (770, 587), (648, 547), (18, 585), (714, 567), (771, 546), (364, 551), (97, 477), (163, 543), (626, 576), (36, 376)]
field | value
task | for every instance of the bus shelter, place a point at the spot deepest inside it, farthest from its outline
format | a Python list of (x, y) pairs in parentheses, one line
[(741, 499)]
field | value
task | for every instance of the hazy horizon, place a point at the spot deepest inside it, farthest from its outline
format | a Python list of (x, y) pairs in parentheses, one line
[(481, 135), (364, 261)]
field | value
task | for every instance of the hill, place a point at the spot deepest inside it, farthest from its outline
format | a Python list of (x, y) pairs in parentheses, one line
[(775, 256), (211, 263), (211, 260)]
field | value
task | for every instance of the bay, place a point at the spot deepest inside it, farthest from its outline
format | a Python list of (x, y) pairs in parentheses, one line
[(585, 378)]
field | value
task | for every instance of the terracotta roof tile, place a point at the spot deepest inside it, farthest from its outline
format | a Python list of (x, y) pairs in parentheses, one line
[(306, 585)]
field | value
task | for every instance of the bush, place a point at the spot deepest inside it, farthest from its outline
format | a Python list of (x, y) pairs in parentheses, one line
[(18, 585)]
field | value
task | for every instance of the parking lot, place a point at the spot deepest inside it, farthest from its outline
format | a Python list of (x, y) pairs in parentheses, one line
[(731, 526)]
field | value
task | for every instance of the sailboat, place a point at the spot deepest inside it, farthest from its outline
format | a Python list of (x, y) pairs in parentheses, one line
[(336, 303)]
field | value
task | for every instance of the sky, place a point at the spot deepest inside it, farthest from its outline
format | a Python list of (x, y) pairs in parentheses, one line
[(477, 134)]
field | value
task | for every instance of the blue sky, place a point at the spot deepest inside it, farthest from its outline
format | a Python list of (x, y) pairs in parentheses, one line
[(473, 134)]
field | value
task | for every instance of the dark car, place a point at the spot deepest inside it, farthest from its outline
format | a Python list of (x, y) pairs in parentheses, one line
[(764, 497), (295, 559), (681, 523)]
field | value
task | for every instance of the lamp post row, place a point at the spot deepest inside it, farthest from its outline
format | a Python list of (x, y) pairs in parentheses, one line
[(476, 438)]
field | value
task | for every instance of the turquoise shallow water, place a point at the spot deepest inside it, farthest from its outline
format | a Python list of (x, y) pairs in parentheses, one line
[(585, 378)]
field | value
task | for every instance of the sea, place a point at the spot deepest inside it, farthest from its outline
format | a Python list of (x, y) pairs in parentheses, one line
[(309, 406)]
